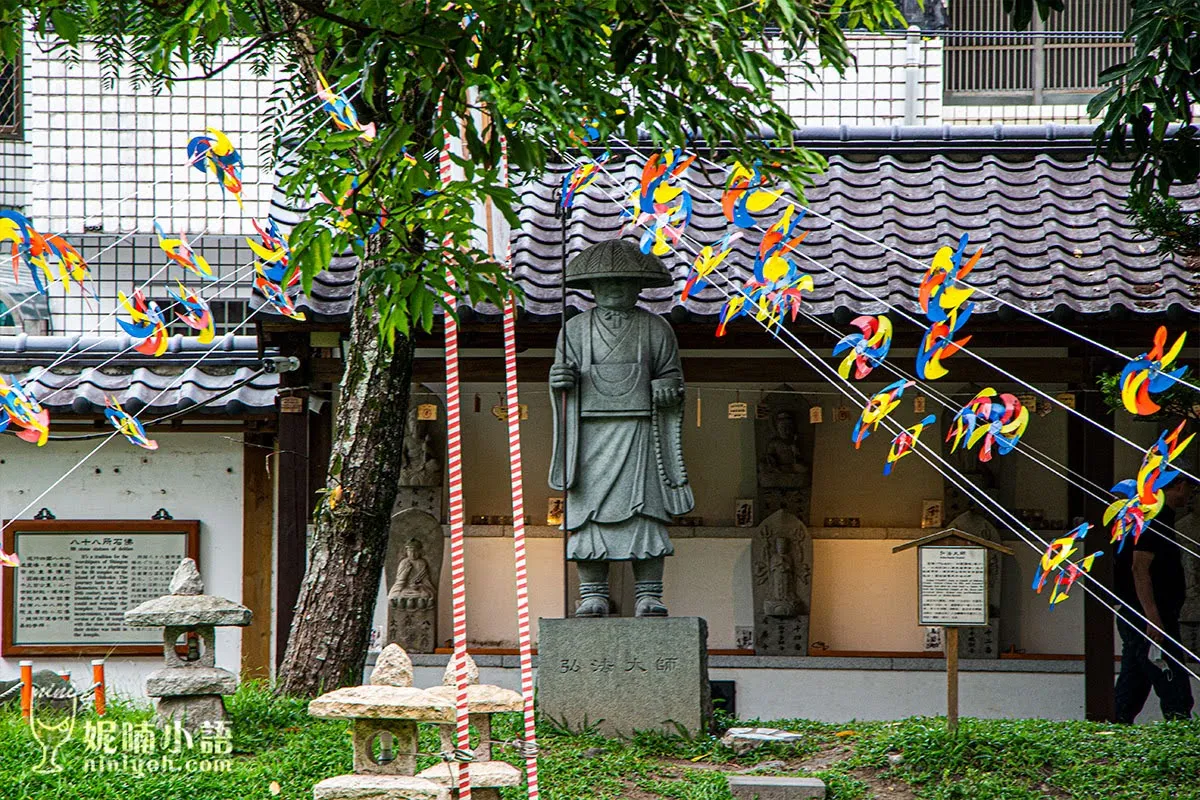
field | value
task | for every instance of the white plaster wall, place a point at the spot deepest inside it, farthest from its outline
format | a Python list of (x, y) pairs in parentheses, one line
[(845, 695), (864, 596), (193, 476)]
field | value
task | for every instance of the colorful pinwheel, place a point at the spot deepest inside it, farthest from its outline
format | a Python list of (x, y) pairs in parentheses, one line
[(196, 313), (179, 251), (276, 295), (867, 349), (342, 112), (1149, 373), (9, 559), (744, 195), (905, 442), (586, 171), (1156, 470), (1057, 558), (147, 324), (35, 251), (777, 288), (661, 201), (878, 407), (127, 425), (19, 407), (273, 249), (707, 261), (995, 419), (215, 154), (1129, 515), (944, 301)]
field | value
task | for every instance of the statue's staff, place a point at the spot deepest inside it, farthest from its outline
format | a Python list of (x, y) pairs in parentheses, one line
[(563, 210)]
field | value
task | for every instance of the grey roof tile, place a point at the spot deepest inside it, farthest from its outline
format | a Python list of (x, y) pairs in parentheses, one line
[(177, 381), (1050, 217)]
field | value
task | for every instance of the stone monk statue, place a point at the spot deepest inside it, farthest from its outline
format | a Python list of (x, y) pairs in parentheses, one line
[(617, 368)]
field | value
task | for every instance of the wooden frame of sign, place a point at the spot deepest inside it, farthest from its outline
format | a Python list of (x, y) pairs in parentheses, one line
[(123, 563), (956, 599)]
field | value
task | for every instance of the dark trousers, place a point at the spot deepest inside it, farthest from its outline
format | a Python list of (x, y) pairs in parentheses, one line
[(1138, 676)]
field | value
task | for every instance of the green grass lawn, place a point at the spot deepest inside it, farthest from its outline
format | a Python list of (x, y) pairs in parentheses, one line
[(280, 752)]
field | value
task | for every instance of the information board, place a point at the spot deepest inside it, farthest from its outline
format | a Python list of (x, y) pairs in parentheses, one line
[(952, 585), (78, 578)]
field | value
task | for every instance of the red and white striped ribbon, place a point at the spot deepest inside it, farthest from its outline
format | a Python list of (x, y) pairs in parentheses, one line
[(458, 579), (524, 639)]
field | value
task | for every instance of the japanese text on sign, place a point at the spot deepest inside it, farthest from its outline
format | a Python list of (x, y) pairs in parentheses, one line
[(952, 585)]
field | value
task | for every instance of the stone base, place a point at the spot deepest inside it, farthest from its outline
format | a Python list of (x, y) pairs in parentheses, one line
[(484, 775), (776, 636), (981, 641), (624, 674), (379, 787), (192, 712), (757, 787), (411, 628), (190, 681)]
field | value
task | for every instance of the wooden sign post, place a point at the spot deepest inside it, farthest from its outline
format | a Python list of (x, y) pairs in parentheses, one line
[(952, 584)]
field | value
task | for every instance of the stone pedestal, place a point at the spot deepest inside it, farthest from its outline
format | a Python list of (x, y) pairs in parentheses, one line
[(189, 689), (625, 674)]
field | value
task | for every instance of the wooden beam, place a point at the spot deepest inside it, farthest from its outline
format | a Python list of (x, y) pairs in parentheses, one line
[(258, 522), (295, 502), (765, 370), (1090, 454)]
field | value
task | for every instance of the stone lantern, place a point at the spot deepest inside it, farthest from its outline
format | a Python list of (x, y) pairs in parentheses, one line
[(487, 776), (387, 709), (189, 689)]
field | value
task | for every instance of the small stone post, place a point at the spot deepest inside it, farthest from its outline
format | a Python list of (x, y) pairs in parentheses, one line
[(487, 776), (189, 689)]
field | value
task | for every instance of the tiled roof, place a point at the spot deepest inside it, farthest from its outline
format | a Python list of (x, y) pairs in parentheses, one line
[(1050, 217), (104, 367)]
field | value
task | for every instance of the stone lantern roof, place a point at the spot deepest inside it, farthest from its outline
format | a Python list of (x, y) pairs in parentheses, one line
[(187, 606), (389, 695)]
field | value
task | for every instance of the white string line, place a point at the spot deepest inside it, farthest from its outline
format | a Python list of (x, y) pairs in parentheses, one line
[(900, 429), (83, 373), (188, 163), (963, 349), (1023, 447), (68, 354), (148, 405), (917, 262)]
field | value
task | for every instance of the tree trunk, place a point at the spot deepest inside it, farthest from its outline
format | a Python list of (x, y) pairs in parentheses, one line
[(328, 643)]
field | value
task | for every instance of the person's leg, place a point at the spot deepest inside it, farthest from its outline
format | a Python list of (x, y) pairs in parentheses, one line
[(593, 589), (1135, 680), (648, 587), (1173, 686)]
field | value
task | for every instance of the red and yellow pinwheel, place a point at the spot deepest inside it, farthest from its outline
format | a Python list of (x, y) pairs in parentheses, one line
[(215, 154), (707, 261), (1057, 559), (195, 314), (179, 251), (883, 403), (19, 407), (1149, 374), (127, 425), (905, 442), (866, 349), (745, 195), (146, 324)]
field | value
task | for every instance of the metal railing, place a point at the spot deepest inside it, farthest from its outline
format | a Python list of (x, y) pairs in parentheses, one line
[(10, 98), (1058, 61)]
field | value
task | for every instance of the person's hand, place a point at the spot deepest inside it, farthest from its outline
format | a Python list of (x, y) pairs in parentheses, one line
[(1152, 631), (563, 376), (666, 396)]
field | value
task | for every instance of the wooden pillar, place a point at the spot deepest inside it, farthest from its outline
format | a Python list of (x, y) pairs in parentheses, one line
[(295, 499), (258, 549), (951, 678), (1090, 453)]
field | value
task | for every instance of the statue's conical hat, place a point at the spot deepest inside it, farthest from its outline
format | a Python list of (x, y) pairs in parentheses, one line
[(617, 258)]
